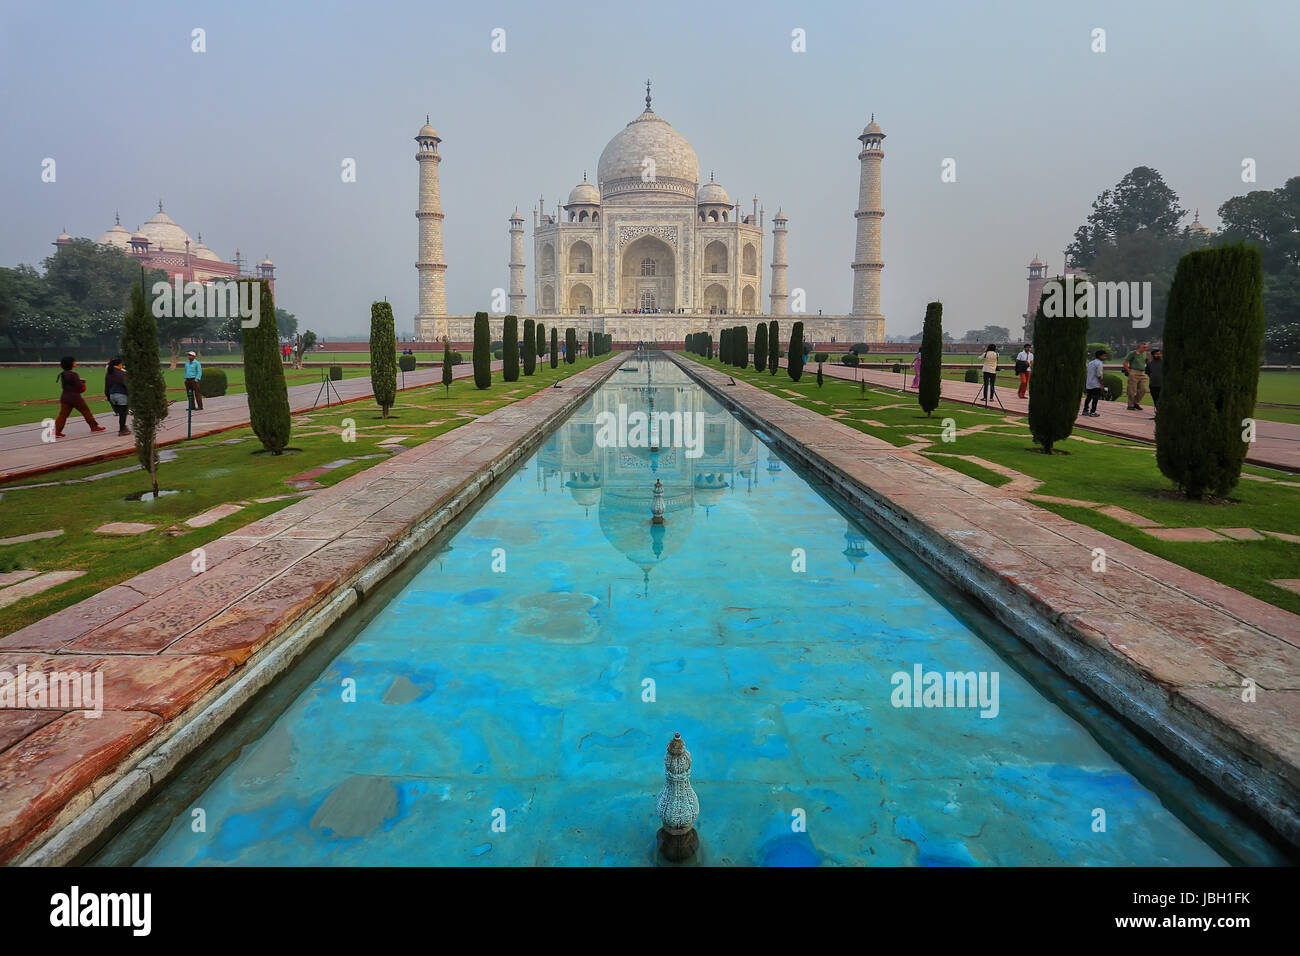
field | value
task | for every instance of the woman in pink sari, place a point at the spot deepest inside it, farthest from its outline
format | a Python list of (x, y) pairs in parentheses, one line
[(916, 367)]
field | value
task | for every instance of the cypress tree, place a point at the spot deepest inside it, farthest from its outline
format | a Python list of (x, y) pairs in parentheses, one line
[(773, 347), (446, 367), (1213, 346), (268, 396), (383, 355), (931, 358), (570, 345), (760, 347), (482, 351), (541, 340), (1059, 374), (148, 399), (819, 374), (510, 349), (742, 342), (708, 346), (724, 355), (794, 361), (555, 347), (529, 343)]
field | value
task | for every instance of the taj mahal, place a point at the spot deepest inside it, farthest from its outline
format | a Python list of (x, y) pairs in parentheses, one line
[(649, 253)]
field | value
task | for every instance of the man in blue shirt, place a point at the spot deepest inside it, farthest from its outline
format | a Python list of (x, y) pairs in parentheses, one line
[(194, 375)]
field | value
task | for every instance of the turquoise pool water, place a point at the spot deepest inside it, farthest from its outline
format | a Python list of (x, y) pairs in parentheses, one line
[(504, 712)]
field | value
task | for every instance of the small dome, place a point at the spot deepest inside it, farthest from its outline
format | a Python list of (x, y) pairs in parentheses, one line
[(427, 131), (267, 261), (139, 236), (63, 237), (1198, 226), (201, 251), (711, 192), (584, 193), (117, 236), (873, 129), (165, 234), (1037, 261), (780, 214)]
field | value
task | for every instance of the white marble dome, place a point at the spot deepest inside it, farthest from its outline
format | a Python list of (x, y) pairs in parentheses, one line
[(163, 233), (711, 193), (584, 193), (623, 161), (117, 236), (201, 251)]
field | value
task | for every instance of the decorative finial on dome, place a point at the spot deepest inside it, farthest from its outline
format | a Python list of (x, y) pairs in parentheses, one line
[(117, 220), (873, 117), (647, 96), (584, 175), (426, 120), (160, 205)]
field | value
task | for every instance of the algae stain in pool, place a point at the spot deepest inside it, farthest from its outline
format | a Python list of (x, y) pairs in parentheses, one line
[(796, 849)]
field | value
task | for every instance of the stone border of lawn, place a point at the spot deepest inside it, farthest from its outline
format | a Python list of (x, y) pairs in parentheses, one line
[(257, 623), (1163, 647)]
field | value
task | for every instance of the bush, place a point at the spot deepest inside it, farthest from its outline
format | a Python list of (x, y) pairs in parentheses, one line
[(268, 396), (1090, 352), (1112, 384), (849, 358), (1059, 370), (930, 387), (383, 355), (406, 363), (497, 355), (510, 353), (496, 346), (482, 354), (213, 383), (897, 367), (1214, 341), (821, 357), (457, 358), (862, 348), (336, 373), (972, 374)]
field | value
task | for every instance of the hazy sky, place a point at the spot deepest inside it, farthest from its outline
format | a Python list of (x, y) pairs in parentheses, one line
[(244, 142)]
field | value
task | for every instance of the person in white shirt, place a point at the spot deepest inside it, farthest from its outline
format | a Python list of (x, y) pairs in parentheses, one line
[(990, 371), (1024, 366), (1092, 384)]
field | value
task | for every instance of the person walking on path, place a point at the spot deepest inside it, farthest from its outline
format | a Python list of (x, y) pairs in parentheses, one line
[(1092, 385), (1155, 376), (916, 368), (1135, 367), (73, 385), (193, 376), (1024, 366), (990, 371), (116, 392)]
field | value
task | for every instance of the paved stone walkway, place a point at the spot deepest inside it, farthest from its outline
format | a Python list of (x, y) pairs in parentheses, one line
[(23, 453), (169, 638), (1174, 651), (1277, 444)]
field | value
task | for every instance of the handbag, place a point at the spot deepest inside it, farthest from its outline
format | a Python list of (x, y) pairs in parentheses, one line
[(118, 398)]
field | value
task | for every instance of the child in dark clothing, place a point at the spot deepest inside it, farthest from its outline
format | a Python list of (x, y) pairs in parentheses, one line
[(116, 393)]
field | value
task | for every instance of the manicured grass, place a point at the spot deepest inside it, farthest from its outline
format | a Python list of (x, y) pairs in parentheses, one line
[(1101, 468), (207, 474), (28, 395)]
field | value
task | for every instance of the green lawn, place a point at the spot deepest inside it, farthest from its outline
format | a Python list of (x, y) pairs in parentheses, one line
[(206, 474), (1108, 470)]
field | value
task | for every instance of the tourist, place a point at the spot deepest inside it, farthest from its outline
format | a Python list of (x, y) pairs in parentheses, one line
[(1135, 367), (990, 371), (193, 376), (1155, 376), (916, 369), (73, 385), (1092, 385), (116, 392), (1024, 366)]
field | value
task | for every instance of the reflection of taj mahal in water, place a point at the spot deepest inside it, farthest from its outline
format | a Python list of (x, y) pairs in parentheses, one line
[(648, 253), (616, 483)]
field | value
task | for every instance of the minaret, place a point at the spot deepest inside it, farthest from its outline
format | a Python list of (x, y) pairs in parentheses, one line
[(780, 298), (517, 294), (430, 264), (1037, 279), (868, 257)]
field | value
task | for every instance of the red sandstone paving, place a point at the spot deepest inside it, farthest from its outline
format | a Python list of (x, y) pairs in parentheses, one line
[(17, 724), (162, 685), (59, 760)]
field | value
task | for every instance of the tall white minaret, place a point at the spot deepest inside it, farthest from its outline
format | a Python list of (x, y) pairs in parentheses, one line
[(780, 298), (868, 257), (430, 264), (518, 296)]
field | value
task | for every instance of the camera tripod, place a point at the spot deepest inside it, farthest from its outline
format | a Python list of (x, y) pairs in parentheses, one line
[(991, 389), (326, 386)]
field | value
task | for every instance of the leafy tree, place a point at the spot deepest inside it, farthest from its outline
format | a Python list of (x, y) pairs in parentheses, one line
[(990, 333), (931, 385), (1059, 371), (446, 368), (482, 354), (570, 345), (510, 350), (148, 398), (794, 360), (1214, 339), (760, 347), (383, 355), (1271, 220), (286, 324), (555, 347), (1141, 201), (268, 396), (773, 347), (530, 347)]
